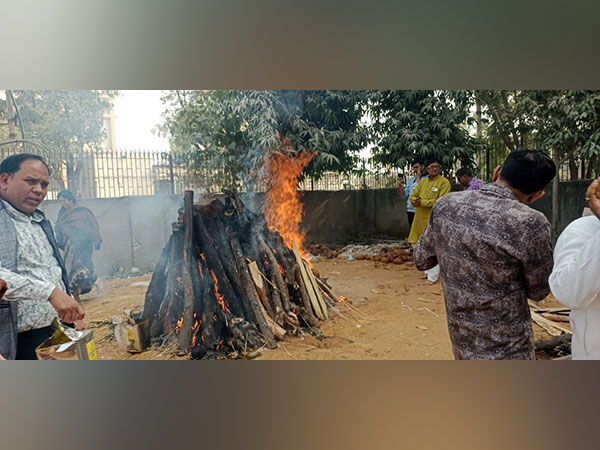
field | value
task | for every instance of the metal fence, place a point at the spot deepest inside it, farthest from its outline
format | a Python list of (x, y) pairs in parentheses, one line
[(108, 173), (572, 169)]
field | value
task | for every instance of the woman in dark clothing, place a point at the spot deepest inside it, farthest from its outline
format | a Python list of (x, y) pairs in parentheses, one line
[(78, 234)]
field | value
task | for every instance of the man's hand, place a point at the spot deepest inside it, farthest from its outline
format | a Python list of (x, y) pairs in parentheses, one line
[(2, 358), (416, 202), (67, 307), (592, 195), (80, 325), (401, 185)]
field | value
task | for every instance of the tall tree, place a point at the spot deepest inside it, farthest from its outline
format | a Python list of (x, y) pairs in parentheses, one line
[(64, 123), (566, 123), (238, 129), (422, 123)]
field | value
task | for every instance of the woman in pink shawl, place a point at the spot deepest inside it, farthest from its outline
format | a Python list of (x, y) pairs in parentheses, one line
[(78, 234)]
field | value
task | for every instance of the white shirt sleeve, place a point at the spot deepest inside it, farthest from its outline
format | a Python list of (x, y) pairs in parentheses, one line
[(24, 288), (575, 278)]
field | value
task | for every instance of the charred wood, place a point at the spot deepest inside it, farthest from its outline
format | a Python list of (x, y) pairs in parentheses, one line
[(185, 330), (555, 346), (225, 283), (214, 262), (156, 290), (173, 294), (275, 271), (248, 285)]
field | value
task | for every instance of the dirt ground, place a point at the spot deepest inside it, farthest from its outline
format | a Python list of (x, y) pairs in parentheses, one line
[(393, 315)]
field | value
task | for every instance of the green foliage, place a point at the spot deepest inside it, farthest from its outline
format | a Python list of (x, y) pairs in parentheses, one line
[(62, 124), (568, 122), (67, 122), (238, 129), (407, 124), (564, 122)]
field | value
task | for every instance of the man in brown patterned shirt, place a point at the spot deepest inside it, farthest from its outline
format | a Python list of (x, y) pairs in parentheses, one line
[(495, 252)]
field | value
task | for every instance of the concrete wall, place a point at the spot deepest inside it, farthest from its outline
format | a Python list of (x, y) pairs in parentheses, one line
[(572, 202), (135, 229), (337, 217)]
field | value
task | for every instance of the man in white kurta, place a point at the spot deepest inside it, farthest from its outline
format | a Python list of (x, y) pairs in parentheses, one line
[(575, 278)]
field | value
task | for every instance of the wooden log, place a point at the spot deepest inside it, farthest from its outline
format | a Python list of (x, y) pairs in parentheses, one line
[(557, 310), (557, 318), (200, 291), (251, 293), (278, 281), (185, 331), (552, 328), (261, 289), (310, 288), (562, 311), (156, 290), (555, 344), (326, 289), (173, 287), (284, 255), (320, 298), (277, 331), (213, 261), (276, 296), (208, 336), (306, 313), (216, 229)]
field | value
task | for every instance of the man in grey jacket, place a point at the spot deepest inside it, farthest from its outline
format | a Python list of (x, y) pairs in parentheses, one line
[(3, 288), (30, 262)]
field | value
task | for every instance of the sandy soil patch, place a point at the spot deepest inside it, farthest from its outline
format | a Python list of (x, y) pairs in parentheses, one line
[(395, 315)]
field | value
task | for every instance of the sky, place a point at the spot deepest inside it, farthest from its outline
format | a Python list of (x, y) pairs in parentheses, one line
[(137, 112)]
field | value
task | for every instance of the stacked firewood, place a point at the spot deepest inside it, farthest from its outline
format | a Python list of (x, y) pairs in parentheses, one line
[(225, 283)]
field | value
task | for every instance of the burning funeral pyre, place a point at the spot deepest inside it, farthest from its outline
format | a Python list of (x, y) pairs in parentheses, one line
[(227, 283)]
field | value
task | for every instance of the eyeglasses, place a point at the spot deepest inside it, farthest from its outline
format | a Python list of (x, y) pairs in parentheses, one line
[(433, 167)]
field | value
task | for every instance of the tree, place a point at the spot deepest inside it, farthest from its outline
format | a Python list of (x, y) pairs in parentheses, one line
[(64, 123), (239, 129), (510, 116), (407, 124), (566, 123)]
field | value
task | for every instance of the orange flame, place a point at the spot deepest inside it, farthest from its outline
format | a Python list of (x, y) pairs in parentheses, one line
[(283, 209), (219, 296), (195, 329), (178, 325)]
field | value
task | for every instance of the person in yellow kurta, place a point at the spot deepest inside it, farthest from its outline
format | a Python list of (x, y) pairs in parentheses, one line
[(427, 192)]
